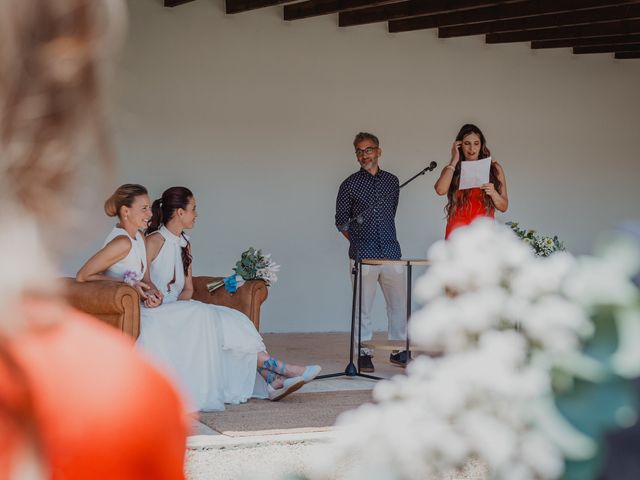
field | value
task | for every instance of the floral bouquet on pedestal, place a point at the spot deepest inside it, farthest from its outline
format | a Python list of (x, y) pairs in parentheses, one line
[(253, 265), (542, 246)]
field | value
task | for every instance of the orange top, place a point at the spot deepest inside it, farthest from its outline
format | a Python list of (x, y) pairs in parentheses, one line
[(99, 409), (468, 212)]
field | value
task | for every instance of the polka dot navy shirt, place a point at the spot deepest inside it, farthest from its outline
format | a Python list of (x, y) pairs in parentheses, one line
[(376, 236)]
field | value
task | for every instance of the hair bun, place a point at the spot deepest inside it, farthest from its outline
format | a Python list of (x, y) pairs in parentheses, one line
[(110, 207)]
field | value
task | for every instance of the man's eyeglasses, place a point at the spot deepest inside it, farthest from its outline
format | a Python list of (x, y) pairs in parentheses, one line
[(368, 151)]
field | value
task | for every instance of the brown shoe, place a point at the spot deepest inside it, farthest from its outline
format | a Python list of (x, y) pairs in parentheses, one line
[(365, 364), (400, 358)]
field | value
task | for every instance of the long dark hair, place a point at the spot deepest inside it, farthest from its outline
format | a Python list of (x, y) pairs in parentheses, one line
[(164, 208), (456, 201)]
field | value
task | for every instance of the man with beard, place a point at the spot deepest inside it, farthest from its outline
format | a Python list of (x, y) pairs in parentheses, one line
[(372, 194)]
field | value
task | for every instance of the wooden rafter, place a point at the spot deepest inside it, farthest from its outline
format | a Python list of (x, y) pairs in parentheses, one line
[(618, 27), (237, 6), (632, 47), (506, 17), (590, 16), (411, 8), (586, 42), (175, 3), (314, 8), (426, 15)]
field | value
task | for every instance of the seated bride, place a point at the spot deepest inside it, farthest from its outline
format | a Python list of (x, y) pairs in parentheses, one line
[(213, 353)]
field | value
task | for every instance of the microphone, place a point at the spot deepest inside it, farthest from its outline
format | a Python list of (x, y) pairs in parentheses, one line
[(430, 168)]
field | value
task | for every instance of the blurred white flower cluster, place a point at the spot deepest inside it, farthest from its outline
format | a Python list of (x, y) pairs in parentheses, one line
[(501, 318), (484, 278), (445, 413)]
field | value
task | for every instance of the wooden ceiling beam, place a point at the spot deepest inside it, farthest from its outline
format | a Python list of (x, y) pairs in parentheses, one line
[(483, 15), (479, 13), (175, 3), (585, 42), (314, 8), (410, 8), (618, 27), (238, 6), (625, 55), (537, 21), (630, 47)]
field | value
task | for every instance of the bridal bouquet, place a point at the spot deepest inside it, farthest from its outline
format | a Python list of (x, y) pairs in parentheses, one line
[(253, 265)]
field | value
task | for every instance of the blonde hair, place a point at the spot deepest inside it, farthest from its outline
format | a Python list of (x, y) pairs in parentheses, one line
[(124, 196)]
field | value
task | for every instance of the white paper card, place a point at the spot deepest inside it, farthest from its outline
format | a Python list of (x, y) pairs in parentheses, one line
[(474, 173)]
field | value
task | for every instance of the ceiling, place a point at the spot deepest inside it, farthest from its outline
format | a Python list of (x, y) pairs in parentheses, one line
[(586, 26)]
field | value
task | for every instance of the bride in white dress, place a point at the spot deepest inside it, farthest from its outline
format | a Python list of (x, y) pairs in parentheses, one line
[(213, 353)]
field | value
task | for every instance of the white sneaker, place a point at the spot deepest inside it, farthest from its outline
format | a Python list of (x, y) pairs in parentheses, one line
[(290, 385), (311, 372)]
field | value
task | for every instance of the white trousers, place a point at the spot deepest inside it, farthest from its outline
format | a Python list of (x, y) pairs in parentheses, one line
[(393, 282)]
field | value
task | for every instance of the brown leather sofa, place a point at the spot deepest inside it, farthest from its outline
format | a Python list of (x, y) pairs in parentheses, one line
[(118, 304)]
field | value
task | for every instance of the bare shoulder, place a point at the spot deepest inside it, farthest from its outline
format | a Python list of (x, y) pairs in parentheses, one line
[(154, 240), (498, 167), (119, 245)]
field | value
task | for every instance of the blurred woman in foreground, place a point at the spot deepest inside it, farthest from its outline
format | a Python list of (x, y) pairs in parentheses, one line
[(76, 401)]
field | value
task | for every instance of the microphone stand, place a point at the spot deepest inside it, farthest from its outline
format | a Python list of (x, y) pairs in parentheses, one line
[(351, 370)]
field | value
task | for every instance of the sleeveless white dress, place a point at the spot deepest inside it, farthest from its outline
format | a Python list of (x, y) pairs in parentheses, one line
[(209, 351)]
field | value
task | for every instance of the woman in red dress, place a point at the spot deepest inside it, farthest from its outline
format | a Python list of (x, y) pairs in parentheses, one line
[(464, 206)]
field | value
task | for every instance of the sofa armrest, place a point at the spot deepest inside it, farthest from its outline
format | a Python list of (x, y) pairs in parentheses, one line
[(247, 299), (113, 302)]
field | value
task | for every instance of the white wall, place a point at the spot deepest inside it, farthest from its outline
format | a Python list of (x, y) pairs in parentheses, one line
[(257, 116)]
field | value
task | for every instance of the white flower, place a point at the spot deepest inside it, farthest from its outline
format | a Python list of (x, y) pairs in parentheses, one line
[(556, 323), (599, 281), (494, 441), (622, 250), (538, 276), (542, 457)]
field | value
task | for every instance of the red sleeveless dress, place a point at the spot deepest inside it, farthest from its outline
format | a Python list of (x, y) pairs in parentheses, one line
[(100, 410), (467, 213)]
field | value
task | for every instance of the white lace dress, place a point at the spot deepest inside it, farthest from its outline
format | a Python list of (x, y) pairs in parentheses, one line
[(210, 351)]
